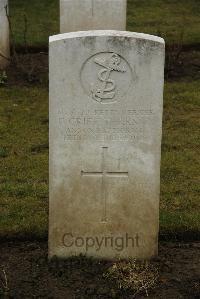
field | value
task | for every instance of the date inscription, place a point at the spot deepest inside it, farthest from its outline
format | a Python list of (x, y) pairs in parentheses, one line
[(103, 124)]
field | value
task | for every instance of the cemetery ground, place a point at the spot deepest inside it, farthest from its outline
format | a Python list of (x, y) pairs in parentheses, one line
[(24, 168), (24, 193)]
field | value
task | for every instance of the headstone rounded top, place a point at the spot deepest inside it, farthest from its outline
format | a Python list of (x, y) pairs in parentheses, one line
[(97, 33), (106, 100)]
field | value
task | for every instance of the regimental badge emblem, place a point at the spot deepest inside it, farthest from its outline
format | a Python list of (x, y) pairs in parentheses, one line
[(106, 77), (106, 90)]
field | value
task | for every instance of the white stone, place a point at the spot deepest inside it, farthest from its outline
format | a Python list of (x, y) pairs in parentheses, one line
[(4, 35), (79, 15), (106, 99)]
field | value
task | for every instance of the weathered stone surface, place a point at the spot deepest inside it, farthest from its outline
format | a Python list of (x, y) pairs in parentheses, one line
[(106, 90), (79, 15), (4, 35)]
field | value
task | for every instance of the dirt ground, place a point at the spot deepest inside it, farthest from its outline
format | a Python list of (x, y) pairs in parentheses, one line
[(30, 275)]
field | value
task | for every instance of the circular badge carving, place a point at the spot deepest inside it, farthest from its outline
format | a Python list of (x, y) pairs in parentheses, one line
[(106, 77)]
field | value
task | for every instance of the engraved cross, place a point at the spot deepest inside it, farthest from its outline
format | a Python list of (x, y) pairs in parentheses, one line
[(104, 174)]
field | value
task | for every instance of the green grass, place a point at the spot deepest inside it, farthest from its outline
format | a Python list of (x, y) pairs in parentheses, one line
[(180, 177), (24, 160), (42, 17), (167, 18)]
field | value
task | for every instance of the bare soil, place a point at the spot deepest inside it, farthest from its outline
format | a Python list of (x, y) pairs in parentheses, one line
[(31, 275), (28, 69)]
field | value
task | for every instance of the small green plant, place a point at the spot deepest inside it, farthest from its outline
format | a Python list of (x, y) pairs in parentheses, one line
[(3, 78), (3, 152)]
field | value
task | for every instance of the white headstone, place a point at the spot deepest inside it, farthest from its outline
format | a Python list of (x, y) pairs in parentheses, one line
[(106, 99), (4, 35), (79, 15)]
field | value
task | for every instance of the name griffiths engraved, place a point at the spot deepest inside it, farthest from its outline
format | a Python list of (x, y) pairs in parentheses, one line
[(104, 124), (106, 77), (107, 89)]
